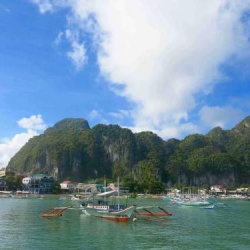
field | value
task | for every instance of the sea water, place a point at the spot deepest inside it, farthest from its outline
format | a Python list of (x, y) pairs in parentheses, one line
[(23, 228)]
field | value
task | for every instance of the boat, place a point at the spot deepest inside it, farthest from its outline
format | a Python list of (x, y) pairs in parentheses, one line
[(100, 207), (22, 194), (76, 197), (195, 203), (5, 194), (110, 212), (194, 200)]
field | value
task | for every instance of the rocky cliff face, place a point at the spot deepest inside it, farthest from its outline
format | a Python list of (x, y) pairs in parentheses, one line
[(207, 179), (72, 150)]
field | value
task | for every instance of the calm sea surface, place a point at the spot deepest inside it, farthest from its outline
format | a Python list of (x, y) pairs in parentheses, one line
[(22, 228)]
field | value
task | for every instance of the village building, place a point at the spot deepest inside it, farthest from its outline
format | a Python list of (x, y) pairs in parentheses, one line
[(68, 186), (38, 183), (217, 189), (2, 173), (3, 185)]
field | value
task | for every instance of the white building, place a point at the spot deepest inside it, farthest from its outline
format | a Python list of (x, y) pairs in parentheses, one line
[(218, 189), (27, 180), (68, 185)]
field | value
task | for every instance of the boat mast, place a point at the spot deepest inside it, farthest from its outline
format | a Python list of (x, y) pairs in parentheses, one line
[(105, 189), (118, 192)]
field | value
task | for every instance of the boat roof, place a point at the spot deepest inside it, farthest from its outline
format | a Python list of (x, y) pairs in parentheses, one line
[(105, 193)]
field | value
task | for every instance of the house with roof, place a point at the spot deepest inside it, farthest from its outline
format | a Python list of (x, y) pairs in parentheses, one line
[(217, 189), (68, 186), (39, 183)]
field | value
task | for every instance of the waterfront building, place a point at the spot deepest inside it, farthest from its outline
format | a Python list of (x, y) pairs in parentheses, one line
[(68, 186), (39, 183), (3, 185)]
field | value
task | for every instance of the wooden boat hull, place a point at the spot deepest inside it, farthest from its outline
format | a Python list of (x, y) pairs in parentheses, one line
[(122, 215), (116, 218)]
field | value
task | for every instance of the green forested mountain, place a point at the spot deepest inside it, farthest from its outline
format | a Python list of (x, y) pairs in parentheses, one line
[(73, 150)]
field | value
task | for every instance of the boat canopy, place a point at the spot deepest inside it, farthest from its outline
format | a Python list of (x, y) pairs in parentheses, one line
[(106, 193)]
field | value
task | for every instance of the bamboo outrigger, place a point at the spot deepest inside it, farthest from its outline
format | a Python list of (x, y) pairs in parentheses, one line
[(151, 211), (54, 212)]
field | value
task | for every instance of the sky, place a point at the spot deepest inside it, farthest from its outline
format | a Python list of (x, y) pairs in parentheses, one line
[(173, 67)]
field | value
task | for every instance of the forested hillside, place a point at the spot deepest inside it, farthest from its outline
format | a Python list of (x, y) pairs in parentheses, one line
[(73, 150)]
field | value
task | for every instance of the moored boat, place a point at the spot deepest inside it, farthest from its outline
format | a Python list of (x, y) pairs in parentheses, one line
[(5, 194), (191, 199), (112, 213), (101, 208)]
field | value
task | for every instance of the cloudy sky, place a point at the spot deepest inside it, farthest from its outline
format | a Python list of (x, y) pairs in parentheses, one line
[(174, 67)]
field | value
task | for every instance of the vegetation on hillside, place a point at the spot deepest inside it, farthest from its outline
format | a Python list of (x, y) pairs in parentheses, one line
[(143, 161)]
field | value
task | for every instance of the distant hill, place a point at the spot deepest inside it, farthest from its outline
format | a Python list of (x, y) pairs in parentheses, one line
[(72, 150)]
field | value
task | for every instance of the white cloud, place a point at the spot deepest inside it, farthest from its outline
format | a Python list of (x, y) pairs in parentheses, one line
[(59, 38), (121, 114), (164, 53), (10, 146), (44, 5), (77, 54), (34, 122), (96, 115), (220, 116)]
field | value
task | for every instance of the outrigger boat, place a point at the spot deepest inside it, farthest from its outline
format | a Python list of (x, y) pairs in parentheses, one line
[(121, 213), (112, 213), (124, 214), (101, 208)]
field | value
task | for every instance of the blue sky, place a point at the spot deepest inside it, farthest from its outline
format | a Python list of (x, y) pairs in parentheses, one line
[(171, 67)]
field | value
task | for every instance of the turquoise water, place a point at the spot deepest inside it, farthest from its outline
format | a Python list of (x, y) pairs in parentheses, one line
[(22, 228)]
